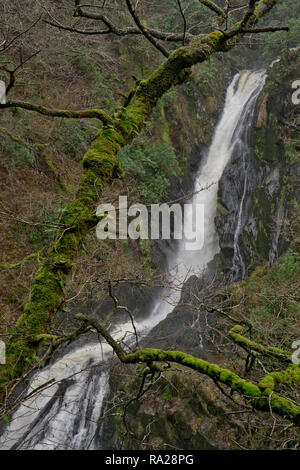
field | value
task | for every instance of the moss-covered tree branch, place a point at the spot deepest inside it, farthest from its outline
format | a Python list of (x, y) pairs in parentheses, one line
[(260, 400), (250, 346), (213, 7), (63, 113), (290, 376), (270, 29), (261, 397)]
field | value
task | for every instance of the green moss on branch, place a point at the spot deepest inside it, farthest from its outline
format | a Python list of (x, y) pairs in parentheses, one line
[(261, 397), (265, 400), (250, 345)]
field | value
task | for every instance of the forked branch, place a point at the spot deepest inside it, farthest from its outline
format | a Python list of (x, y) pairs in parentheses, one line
[(144, 31), (121, 32), (114, 29)]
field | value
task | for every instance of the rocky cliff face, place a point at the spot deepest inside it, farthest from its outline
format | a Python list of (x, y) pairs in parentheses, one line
[(264, 187)]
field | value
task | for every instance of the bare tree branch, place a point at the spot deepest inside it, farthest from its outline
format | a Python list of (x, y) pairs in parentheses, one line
[(144, 31), (184, 21), (112, 28), (123, 307), (130, 31), (87, 32), (10, 43)]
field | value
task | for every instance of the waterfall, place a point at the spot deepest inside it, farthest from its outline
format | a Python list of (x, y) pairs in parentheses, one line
[(231, 135), (67, 412)]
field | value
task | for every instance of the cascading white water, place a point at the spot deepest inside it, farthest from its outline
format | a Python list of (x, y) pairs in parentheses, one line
[(231, 134), (66, 414)]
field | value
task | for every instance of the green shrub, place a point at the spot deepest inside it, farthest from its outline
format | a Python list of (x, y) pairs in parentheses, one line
[(20, 152), (153, 166)]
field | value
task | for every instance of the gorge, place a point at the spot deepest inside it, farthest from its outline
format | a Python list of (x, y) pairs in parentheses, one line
[(65, 414)]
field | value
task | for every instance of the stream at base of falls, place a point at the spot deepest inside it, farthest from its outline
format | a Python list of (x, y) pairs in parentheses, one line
[(67, 413)]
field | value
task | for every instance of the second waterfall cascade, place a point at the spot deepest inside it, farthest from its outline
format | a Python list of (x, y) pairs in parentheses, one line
[(67, 413)]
